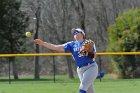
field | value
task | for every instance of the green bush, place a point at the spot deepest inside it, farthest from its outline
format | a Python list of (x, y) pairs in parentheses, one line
[(124, 36)]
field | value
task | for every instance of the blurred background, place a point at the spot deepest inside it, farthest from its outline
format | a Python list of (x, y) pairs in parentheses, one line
[(114, 26)]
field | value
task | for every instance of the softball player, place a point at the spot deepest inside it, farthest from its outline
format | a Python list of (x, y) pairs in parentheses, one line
[(87, 68)]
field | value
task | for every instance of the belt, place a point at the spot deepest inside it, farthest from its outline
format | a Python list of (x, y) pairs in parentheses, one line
[(85, 64)]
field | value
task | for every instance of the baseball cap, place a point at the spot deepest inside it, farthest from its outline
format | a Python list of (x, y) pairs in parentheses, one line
[(77, 30)]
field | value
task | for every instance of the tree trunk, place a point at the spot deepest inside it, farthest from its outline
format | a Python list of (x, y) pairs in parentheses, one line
[(69, 67), (37, 14), (12, 60), (14, 66), (36, 74)]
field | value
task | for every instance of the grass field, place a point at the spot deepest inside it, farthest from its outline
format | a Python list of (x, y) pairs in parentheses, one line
[(65, 85)]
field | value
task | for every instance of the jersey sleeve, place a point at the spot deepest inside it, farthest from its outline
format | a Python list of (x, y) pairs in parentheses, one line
[(68, 46)]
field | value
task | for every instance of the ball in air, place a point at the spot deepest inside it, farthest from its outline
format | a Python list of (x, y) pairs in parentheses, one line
[(28, 34)]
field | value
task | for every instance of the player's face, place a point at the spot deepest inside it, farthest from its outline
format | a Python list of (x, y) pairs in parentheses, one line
[(78, 37)]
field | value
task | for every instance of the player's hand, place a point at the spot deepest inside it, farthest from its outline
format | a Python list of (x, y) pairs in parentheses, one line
[(40, 42)]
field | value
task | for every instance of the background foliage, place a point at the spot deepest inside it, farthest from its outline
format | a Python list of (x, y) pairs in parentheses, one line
[(13, 24), (52, 21), (124, 35)]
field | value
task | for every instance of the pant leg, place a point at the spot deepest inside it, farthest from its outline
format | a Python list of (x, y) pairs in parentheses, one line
[(80, 74), (90, 89), (89, 75)]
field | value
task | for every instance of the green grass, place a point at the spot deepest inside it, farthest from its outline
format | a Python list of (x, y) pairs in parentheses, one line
[(65, 85)]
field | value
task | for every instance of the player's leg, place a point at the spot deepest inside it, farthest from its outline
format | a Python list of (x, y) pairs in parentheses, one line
[(80, 72), (90, 89), (89, 76)]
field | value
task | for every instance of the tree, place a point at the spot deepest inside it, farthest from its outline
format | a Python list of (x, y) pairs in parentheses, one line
[(58, 24), (36, 10), (13, 22), (124, 35)]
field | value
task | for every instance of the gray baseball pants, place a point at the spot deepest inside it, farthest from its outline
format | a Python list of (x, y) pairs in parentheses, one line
[(87, 75)]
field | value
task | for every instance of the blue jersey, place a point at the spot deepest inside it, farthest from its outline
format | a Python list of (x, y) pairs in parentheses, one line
[(74, 48)]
